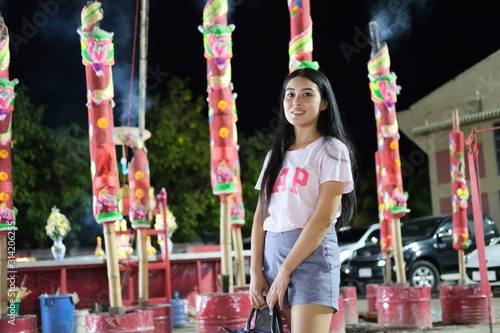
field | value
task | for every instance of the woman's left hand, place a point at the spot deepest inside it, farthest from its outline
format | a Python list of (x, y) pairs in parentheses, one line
[(277, 290)]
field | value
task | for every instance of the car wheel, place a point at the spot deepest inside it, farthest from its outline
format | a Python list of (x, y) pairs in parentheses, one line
[(424, 274)]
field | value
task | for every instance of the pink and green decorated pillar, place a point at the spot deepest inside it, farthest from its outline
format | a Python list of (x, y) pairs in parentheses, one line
[(384, 91), (218, 52), (385, 223), (98, 57), (300, 46), (459, 190), (138, 179), (224, 155), (7, 95), (237, 206)]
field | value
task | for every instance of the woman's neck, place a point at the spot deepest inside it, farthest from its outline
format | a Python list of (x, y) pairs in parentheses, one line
[(302, 139)]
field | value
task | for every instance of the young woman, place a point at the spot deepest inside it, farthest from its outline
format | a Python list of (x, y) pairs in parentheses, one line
[(306, 188)]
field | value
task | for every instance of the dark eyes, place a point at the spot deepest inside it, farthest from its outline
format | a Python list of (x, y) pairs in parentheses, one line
[(306, 94)]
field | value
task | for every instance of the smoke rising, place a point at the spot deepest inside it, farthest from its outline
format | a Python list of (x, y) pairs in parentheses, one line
[(395, 18), (232, 4)]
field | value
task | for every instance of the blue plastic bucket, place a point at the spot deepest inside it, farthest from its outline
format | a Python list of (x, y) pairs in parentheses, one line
[(58, 313)]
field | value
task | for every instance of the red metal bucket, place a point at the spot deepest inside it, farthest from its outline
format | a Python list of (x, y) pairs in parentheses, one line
[(465, 305), (404, 307), (338, 319), (371, 296), (214, 311), (162, 317), (134, 321), (350, 305)]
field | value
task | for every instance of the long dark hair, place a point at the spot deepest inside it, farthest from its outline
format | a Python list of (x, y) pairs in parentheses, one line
[(330, 124)]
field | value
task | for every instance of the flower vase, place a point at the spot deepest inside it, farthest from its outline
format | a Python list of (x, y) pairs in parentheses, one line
[(58, 249), (170, 245)]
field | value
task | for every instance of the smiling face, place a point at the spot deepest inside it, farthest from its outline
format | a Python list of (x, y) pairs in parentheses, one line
[(303, 102)]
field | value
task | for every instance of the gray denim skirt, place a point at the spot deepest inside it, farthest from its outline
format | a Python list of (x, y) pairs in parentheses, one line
[(316, 280)]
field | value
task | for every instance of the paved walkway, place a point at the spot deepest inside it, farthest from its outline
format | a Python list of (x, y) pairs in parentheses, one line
[(372, 327)]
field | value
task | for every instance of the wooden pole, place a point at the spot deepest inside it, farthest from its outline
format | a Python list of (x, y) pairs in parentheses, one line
[(461, 267), (141, 233), (239, 260), (162, 198), (388, 269), (398, 251), (115, 290), (225, 244), (143, 67), (3, 276), (142, 251)]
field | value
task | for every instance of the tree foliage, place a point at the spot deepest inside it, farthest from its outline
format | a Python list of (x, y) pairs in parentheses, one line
[(179, 159), (50, 168), (253, 149)]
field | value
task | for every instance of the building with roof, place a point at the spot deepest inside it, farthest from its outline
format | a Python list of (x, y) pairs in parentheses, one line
[(428, 122)]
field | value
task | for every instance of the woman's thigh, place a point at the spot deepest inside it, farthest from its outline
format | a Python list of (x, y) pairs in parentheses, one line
[(307, 318)]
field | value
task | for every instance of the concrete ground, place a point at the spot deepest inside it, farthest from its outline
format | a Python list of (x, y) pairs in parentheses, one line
[(371, 326)]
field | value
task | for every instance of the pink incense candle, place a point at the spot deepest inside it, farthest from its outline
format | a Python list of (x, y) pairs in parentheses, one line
[(7, 95), (98, 57)]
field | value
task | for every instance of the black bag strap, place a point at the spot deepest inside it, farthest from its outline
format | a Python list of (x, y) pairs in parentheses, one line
[(276, 324)]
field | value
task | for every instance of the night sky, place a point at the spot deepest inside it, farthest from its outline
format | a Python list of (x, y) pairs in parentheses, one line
[(430, 43)]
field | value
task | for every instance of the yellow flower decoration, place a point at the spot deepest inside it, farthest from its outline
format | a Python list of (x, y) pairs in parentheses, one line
[(4, 154), (139, 175), (223, 132), (4, 196), (4, 176), (139, 193), (102, 122), (394, 145), (398, 163), (222, 105)]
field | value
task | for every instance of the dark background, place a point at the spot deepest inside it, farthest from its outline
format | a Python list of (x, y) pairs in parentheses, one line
[(430, 43)]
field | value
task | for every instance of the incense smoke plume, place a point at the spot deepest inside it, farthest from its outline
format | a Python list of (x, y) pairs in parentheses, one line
[(395, 18), (232, 4)]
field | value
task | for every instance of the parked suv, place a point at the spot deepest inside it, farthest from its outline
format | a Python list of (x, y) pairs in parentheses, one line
[(352, 238), (427, 251)]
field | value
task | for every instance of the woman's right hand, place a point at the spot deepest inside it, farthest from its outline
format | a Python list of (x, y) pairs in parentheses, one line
[(258, 285)]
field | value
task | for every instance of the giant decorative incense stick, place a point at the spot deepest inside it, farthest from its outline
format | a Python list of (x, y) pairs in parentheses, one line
[(301, 43), (237, 212), (384, 91), (459, 193), (224, 156), (139, 214), (7, 215), (98, 57), (385, 223)]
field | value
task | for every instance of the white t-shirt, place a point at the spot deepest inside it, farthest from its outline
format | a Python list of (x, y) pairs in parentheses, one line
[(296, 192)]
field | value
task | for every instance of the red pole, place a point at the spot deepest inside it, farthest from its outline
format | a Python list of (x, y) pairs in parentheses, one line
[(477, 211)]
